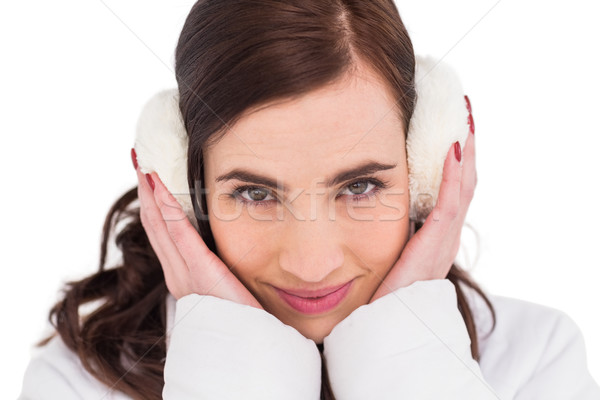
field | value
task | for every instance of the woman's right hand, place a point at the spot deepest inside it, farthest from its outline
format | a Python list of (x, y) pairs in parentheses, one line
[(188, 264)]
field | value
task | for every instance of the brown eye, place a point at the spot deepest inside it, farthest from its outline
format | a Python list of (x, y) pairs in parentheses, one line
[(362, 189), (257, 194), (253, 194), (358, 187)]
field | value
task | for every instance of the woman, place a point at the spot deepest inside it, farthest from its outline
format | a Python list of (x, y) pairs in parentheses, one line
[(297, 93)]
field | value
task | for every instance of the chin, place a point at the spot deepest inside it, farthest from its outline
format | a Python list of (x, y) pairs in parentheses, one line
[(316, 329), (317, 336)]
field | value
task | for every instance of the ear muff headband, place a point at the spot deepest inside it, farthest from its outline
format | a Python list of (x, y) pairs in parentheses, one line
[(439, 120)]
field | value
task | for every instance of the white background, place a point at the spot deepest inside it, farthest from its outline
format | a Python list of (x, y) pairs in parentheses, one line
[(75, 75)]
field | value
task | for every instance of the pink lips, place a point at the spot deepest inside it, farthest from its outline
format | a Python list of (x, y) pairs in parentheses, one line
[(315, 302)]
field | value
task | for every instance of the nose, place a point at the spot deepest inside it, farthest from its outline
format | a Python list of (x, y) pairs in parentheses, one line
[(310, 249)]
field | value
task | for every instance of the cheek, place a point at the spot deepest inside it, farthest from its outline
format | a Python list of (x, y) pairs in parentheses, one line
[(377, 234), (242, 245), (389, 205), (377, 244), (232, 239), (373, 237)]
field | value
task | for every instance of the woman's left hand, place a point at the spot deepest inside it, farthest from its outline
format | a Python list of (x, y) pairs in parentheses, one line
[(429, 254)]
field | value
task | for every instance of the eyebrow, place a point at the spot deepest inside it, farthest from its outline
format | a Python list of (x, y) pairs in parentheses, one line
[(365, 168)]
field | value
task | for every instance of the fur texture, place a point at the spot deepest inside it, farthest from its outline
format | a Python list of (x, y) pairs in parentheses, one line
[(161, 145), (439, 120)]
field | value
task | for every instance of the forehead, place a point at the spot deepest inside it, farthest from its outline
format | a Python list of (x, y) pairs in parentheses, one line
[(337, 125)]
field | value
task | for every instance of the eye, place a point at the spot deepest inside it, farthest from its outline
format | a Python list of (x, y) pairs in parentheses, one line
[(363, 189), (259, 196), (253, 194), (359, 187)]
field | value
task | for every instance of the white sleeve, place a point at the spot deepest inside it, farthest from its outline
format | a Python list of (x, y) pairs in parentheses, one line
[(220, 349), (411, 343)]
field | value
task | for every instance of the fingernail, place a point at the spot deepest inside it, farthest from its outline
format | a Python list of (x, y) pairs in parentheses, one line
[(134, 158), (150, 181), (472, 124), (468, 104), (457, 151)]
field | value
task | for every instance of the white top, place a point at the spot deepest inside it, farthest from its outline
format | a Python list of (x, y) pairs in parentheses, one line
[(410, 344)]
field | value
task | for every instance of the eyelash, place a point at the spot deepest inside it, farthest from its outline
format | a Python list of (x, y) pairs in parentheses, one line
[(379, 185)]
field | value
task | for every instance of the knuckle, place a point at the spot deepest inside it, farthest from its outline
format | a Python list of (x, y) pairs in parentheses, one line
[(153, 221), (452, 179), (177, 236), (451, 212), (445, 213), (181, 237), (170, 212), (469, 192)]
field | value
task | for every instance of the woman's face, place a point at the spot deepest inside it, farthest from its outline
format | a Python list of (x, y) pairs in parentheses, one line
[(329, 222)]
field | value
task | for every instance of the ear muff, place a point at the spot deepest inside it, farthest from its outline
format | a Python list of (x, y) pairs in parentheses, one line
[(161, 146), (439, 119)]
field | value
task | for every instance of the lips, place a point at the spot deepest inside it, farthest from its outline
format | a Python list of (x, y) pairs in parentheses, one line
[(315, 301), (314, 293)]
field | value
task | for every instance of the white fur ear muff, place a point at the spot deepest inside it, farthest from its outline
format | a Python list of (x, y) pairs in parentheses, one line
[(161, 145), (439, 119)]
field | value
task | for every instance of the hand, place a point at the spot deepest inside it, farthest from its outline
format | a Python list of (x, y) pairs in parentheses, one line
[(187, 263), (429, 254)]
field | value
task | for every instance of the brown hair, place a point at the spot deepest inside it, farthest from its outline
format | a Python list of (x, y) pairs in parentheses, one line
[(232, 56)]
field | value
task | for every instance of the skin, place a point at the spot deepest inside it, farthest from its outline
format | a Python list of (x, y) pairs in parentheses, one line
[(312, 236), (303, 142)]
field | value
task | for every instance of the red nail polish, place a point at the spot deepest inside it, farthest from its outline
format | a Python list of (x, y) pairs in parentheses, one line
[(134, 158), (457, 151), (468, 104), (471, 124), (150, 181)]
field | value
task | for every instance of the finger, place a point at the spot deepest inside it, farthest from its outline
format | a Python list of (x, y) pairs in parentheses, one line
[(158, 236), (147, 214), (197, 257), (469, 173), (469, 180), (448, 203), (180, 230), (147, 205)]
